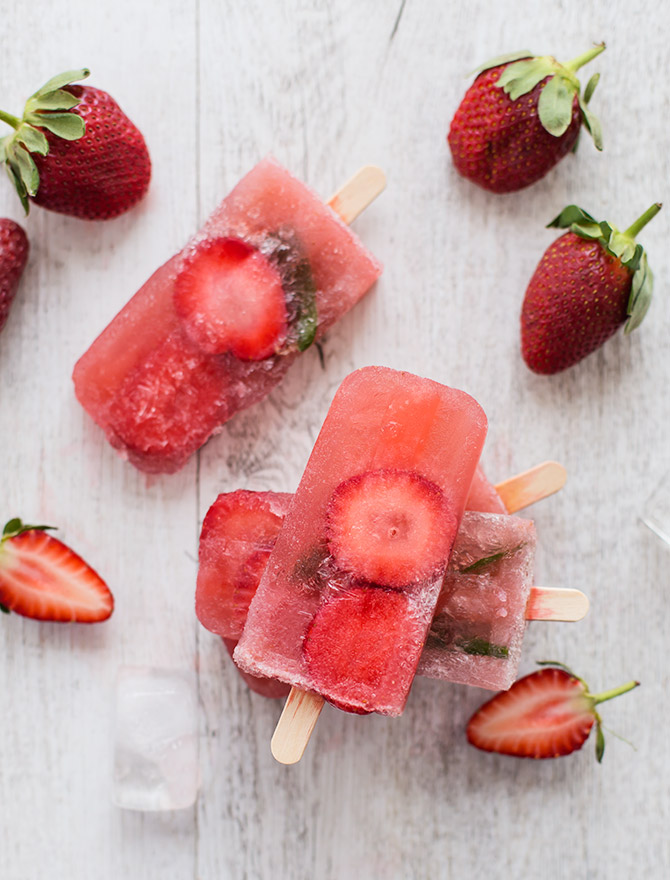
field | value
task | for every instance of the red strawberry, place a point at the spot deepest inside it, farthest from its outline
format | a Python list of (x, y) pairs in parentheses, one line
[(353, 644), (229, 297), (547, 714), (90, 160), (588, 283), (42, 578), (519, 118), (389, 527), (13, 258)]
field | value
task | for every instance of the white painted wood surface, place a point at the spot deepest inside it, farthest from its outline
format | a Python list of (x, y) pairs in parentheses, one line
[(327, 87)]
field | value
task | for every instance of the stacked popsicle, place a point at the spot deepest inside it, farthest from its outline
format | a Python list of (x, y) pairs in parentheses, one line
[(350, 595)]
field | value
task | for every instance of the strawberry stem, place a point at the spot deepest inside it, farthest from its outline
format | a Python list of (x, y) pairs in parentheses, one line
[(641, 222), (615, 692), (9, 119), (584, 58)]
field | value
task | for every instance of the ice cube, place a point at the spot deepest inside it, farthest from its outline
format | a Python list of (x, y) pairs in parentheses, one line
[(156, 739)]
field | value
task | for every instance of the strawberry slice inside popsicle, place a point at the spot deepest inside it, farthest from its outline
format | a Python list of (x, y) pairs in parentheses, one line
[(229, 297), (389, 527), (352, 645)]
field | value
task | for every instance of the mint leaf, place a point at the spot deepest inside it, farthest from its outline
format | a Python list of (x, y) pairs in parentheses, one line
[(485, 561), (482, 648), (284, 250)]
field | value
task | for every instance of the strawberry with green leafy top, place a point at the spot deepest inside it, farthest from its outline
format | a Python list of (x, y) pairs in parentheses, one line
[(589, 282), (75, 151), (520, 117), (547, 714), (40, 577)]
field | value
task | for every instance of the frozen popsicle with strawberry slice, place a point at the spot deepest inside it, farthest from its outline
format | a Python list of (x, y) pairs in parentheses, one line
[(477, 630), (346, 601), (216, 327)]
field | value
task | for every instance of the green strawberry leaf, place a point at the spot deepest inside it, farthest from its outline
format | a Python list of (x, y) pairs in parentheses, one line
[(19, 186), (15, 527), (68, 126), (32, 139), (4, 609), (554, 106), (572, 215), (592, 124), (622, 246), (483, 648), (24, 165), (58, 100), (587, 230), (501, 59), (600, 742), (62, 79), (591, 87), (520, 78), (641, 292)]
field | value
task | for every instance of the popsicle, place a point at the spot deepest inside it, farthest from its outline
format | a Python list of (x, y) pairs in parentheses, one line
[(238, 533), (477, 630), (241, 528), (215, 329), (346, 600)]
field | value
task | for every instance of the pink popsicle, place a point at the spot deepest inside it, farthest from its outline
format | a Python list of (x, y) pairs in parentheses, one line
[(347, 597), (151, 379)]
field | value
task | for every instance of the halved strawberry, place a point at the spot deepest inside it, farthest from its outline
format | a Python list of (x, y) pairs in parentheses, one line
[(42, 578), (353, 644), (229, 297), (266, 687), (236, 540), (546, 714), (390, 527)]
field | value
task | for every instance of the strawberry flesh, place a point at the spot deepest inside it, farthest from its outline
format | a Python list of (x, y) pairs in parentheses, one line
[(353, 642), (13, 258), (576, 300), (229, 297), (500, 144), (100, 175), (389, 527), (543, 715), (40, 577)]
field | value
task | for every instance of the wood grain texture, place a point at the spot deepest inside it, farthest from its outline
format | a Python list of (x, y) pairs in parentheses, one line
[(327, 86)]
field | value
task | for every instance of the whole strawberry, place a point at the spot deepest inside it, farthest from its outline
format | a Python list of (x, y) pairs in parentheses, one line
[(589, 282), (547, 714), (519, 118), (76, 152), (13, 257)]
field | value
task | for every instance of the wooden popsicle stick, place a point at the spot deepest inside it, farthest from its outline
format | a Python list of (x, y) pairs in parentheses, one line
[(302, 708), (358, 192), (294, 728), (532, 485), (556, 603)]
